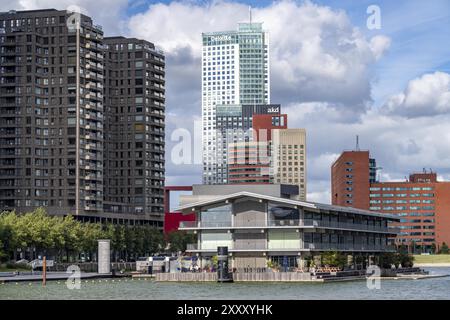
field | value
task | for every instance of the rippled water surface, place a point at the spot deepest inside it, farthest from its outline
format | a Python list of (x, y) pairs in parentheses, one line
[(437, 288)]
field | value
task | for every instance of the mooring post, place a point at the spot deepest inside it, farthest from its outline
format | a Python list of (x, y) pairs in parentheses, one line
[(44, 271), (222, 265)]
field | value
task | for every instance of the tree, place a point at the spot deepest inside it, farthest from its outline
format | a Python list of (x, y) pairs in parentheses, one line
[(433, 248), (444, 248), (406, 260), (387, 259), (334, 259), (178, 240), (66, 238)]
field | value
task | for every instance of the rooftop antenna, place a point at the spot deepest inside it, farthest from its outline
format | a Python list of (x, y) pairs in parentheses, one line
[(250, 13), (357, 143)]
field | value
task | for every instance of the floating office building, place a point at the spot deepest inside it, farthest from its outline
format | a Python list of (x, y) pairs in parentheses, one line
[(262, 223)]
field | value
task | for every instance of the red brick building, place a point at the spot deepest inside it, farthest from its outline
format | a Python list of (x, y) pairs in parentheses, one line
[(351, 175), (421, 202)]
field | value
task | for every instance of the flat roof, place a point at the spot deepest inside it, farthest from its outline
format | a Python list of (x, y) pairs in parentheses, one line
[(187, 208)]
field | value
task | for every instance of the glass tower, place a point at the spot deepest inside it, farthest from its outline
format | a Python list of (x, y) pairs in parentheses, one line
[(235, 70)]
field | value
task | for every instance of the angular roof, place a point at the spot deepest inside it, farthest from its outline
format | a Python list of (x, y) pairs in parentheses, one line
[(187, 208)]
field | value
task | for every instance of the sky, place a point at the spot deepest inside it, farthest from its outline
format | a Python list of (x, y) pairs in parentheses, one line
[(332, 75)]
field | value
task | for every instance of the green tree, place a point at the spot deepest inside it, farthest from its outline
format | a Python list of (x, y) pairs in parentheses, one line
[(433, 248), (178, 240), (387, 259), (444, 248), (334, 259), (406, 260)]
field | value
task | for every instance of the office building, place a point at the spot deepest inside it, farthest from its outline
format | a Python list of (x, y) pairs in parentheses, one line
[(420, 202), (251, 162), (288, 154), (235, 70), (56, 126), (351, 175), (262, 223), (234, 124)]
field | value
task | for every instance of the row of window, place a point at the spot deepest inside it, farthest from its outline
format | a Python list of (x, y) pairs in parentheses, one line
[(400, 195), (400, 201), (390, 208), (401, 188)]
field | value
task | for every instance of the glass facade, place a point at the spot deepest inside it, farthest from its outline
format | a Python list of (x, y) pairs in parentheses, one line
[(235, 70), (216, 217)]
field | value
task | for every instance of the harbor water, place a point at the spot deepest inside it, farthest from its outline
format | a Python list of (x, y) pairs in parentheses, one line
[(433, 288)]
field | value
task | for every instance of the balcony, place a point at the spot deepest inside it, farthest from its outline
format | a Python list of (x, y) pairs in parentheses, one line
[(284, 223), (198, 224), (345, 225), (347, 247), (306, 247)]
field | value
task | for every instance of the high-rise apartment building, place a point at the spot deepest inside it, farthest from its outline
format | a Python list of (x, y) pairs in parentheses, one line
[(53, 131), (134, 126), (421, 202), (288, 153), (235, 70), (51, 117)]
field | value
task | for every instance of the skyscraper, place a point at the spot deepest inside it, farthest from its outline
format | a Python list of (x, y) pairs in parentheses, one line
[(235, 70), (68, 144)]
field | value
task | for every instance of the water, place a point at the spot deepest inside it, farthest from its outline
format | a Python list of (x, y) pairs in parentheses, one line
[(435, 288)]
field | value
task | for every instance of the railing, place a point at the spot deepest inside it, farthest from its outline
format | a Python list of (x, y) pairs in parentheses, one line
[(346, 246), (251, 246), (346, 225), (250, 224), (192, 246), (288, 223), (209, 224), (284, 223), (306, 246)]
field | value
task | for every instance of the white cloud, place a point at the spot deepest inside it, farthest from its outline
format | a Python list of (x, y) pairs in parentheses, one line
[(425, 96), (379, 44), (316, 53)]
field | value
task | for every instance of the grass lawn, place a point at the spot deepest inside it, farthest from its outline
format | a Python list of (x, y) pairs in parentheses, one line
[(432, 258)]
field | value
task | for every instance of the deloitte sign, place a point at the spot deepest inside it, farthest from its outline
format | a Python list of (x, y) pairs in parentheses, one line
[(220, 38)]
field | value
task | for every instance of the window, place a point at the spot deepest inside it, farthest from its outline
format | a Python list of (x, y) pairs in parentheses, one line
[(214, 217), (279, 212)]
